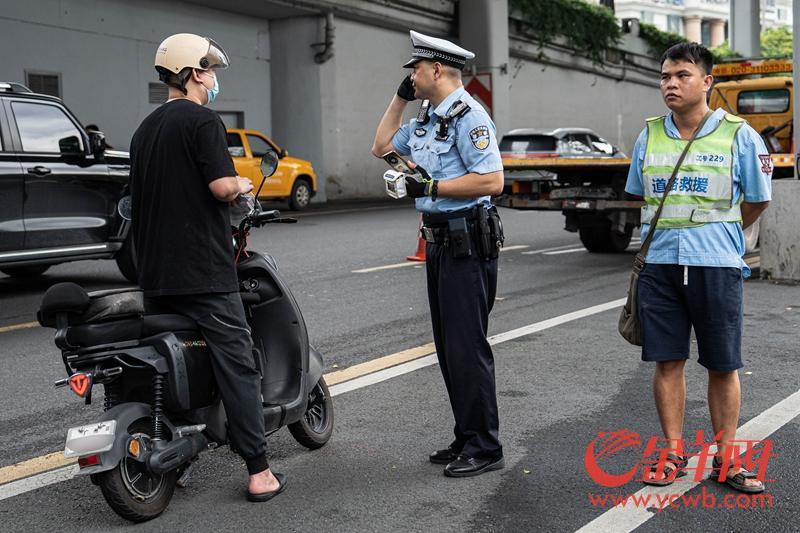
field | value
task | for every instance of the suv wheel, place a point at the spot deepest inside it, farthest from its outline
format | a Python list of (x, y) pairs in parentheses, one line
[(25, 272)]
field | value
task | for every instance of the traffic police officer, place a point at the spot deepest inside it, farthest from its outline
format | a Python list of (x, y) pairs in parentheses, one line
[(454, 151)]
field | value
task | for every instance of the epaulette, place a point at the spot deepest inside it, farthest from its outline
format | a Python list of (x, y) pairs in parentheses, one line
[(459, 109)]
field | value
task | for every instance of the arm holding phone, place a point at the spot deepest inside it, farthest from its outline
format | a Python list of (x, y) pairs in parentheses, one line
[(392, 119)]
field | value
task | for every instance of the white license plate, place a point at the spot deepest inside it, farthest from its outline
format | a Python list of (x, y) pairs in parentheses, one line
[(90, 439)]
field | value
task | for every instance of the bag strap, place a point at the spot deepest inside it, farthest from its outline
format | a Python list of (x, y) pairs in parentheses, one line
[(640, 257)]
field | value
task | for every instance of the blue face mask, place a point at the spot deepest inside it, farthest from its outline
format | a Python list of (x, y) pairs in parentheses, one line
[(214, 91)]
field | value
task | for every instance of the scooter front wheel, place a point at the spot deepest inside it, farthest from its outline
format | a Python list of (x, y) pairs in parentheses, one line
[(131, 490), (316, 427)]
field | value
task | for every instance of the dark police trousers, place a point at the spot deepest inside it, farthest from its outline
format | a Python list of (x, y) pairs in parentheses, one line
[(461, 294), (221, 319)]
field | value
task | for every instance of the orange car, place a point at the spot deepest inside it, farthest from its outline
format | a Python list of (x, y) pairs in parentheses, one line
[(295, 179)]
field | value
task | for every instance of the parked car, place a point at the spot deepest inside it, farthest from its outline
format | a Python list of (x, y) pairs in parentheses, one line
[(60, 188), (559, 142), (295, 179)]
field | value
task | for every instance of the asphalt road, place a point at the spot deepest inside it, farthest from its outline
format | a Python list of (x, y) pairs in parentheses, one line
[(557, 388)]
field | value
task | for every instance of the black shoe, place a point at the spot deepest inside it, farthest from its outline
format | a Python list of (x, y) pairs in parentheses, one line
[(443, 457), (465, 466), (267, 496)]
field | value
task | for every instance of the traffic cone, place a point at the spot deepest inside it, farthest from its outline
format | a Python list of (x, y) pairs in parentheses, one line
[(420, 253)]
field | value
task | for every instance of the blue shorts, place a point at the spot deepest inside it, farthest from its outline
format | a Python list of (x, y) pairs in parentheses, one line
[(710, 300)]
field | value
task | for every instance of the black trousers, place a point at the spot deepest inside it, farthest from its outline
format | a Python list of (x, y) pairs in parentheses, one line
[(222, 322), (461, 294)]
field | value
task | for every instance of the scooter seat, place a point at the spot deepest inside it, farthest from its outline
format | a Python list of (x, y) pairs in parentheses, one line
[(127, 329), (83, 335), (81, 307)]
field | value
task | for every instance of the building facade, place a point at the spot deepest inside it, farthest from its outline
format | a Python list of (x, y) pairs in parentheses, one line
[(703, 21)]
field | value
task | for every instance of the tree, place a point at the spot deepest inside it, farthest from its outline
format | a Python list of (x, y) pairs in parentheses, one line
[(776, 42)]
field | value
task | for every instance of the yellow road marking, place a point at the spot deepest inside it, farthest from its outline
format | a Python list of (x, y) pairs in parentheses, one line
[(381, 363), (51, 461), (15, 327), (37, 465)]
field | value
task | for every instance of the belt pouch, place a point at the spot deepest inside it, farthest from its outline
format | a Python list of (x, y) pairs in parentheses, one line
[(497, 236), (458, 238), (483, 234)]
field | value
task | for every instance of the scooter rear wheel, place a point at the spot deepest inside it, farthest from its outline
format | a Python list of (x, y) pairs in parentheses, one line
[(131, 491), (316, 427)]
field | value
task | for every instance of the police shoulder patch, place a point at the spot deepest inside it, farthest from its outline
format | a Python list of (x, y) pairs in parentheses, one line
[(480, 137)]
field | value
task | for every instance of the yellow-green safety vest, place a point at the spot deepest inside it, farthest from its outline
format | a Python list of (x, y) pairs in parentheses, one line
[(703, 188)]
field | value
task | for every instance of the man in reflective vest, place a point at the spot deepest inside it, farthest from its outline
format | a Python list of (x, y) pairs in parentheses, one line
[(694, 270)]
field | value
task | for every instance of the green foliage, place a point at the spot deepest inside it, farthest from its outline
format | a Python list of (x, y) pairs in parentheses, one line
[(588, 28), (776, 42), (658, 41), (723, 52)]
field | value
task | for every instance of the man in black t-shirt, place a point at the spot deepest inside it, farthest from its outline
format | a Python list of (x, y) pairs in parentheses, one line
[(182, 182)]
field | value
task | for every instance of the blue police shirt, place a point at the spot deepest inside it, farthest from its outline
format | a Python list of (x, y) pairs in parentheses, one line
[(470, 146), (718, 244)]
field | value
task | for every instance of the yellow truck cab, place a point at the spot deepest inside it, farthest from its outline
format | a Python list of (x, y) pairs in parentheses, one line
[(295, 179), (760, 91)]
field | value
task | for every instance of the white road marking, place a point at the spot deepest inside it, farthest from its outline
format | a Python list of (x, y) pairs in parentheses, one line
[(386, 267), (38, 481), (544, 250), (559, 252), (63, 474), (628, 518), (417, 263)]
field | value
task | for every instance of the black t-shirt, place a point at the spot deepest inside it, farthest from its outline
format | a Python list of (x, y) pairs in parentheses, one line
[(181, 232)]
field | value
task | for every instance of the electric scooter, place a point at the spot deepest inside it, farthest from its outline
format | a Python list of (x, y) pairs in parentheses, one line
[(161, 404)]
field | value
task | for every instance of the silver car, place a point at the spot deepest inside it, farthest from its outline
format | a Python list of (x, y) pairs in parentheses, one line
[(559, 142)]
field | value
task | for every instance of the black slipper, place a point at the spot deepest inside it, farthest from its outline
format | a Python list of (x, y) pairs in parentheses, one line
[(267, 496)]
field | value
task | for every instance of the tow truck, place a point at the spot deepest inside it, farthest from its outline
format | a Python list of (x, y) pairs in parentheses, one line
[(590, 192)]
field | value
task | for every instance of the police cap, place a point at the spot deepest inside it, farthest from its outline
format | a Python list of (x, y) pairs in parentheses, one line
[(435, 49)]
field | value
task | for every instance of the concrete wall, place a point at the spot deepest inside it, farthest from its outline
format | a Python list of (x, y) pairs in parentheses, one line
[(104, 52), (780, 232), (328, 112), (368, 70), (547, 97), (551, 86)]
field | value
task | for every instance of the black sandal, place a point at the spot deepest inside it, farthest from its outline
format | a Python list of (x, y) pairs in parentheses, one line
[(738, 481), (668, 479)]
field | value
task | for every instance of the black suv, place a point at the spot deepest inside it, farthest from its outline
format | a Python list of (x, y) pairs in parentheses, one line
[(60, 188)]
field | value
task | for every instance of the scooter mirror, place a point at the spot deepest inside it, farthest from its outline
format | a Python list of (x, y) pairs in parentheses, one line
[(269, 163)]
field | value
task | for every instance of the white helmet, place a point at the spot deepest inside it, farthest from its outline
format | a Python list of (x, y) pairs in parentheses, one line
[(180, 53)]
